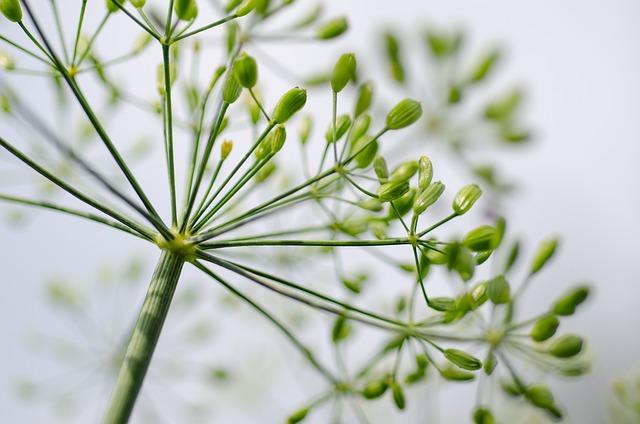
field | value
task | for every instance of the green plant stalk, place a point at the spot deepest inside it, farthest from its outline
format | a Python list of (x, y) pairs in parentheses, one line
[(144, 337)]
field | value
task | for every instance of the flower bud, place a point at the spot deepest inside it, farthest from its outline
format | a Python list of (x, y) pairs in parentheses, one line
[(369, 149), (490, 363), (484, 66), (290, 102), (138, 4), (186, 10), (231, 4), (343, 123), (343, 72), (567, 305), (454, 374), (398, 395), (498, 290), (360, 127), (298, 416), (566, 346), (306, 125), (465, 198), (483, 416), (392, 191), (226, 148), (380, 168), (545, 251), (141, 42), (265, 172), (278, 137), (405, 113), (402, 205), (442, 304), (482, 238), (245, 69), (542, 397), (374, 389), (405, 171), (112, 7), (365, 96), (332, 29), (544, 328), (6, 62), (372, 205), (393, 55), (428, 197), (462, 359), (231, 89), (245, 7), (11, 10)]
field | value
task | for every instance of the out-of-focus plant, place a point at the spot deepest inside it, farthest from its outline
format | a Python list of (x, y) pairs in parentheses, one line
[(624, 407), (351, 199)]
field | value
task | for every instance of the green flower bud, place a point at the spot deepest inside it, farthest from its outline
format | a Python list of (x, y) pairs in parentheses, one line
[(262, 6), (393, 55), (245, 69), (264, 148), (428, 197), (112, 7), (186, 10), (374, 389), (365, 96), (490, 363), (332, 29), (511, 389), (540, 396), (231, 89), (483, 416), (484, 66), (360, 127), (544, 328), (392, 191), (343, 123), (482, 238), (405, 113), (567, 305), (290, 103), (265, 172), (141, 42), (380, 168), (462, 359), (306, 125), (245, 7), (404, 172), (402, 205), (442, 304), (138, 4), (425, 172), (398, 395), (369, 149), (6, 62), (341, 329), (343, 72), (566, 346), (512, 257), (465, 198), (277, 138), (11, 10), (298, 416), (498, 290), (226, 148), (455, 374), (231, 4), (372, 205), (545, 251)]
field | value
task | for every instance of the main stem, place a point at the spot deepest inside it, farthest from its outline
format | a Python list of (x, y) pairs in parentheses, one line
[(144, 337)]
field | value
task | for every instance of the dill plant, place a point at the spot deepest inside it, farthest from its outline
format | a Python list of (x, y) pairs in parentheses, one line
[(356, 200)]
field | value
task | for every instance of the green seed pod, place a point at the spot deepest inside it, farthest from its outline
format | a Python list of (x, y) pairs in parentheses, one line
[(540, 396), (245, 7), (231, 4), (186, 10), (375, 389), (462, 359), (514, 252), (510, 389), (378, 228), (396, 68), (306, 126), (6, 62), (465, 198), (405, 113), (298, 416), (544, 328), (484, 66), (141, 42), (262, 6), (428, 197), (372, 205), (490, 363), (483, 416), (504, 108), (425, 172), (265, 172), (290, 103), (343, 72), (369, 149), (402, 205), (360, 127), (380, 168), (482, 238), (245, 69), (455, 374), (566, 346), (11, 10), (231, 89), (404, 172), (398, 395), (567, 304), (498, 290), (138, 4), (332, 29), (341, 329), (112, 7), (574, 369), (277, 138), (343, 123), (392, 191), (364, 99), (545, 251), (442, 304)]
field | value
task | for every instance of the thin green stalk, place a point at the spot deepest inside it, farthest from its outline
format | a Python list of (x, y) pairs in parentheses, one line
[(78, 32), (204, 28), (168, 133), (275, 242), (63, 42), (93, 38), (144, 337), (141, 24), (24, 50)]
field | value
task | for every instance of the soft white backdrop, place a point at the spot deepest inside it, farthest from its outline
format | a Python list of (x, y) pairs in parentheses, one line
[(580, 61)]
